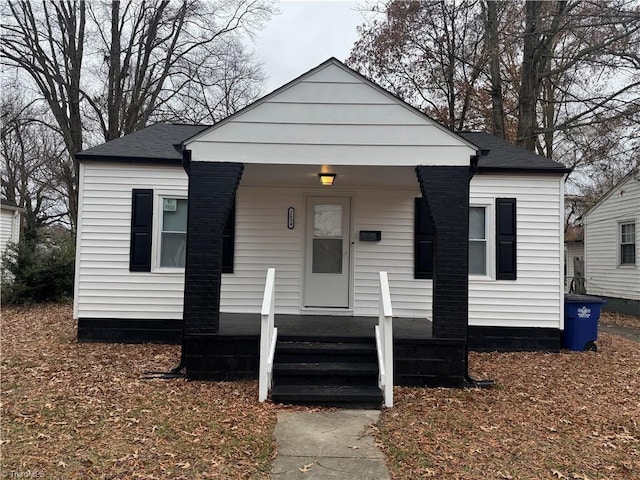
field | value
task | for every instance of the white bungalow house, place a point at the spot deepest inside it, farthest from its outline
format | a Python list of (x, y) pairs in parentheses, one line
[(179, 224), (611, 254)]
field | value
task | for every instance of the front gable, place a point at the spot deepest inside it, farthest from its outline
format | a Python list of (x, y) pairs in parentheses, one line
[(331, 115)]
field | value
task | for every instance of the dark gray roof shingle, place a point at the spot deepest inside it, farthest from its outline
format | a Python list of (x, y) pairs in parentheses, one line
[(158, 143), (505, 156), (155, 142)]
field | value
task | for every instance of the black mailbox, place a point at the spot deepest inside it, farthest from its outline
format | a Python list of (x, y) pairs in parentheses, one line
[(370, 235)]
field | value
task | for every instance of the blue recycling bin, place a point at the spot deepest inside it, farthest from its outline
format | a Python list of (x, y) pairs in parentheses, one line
[(581, 314)]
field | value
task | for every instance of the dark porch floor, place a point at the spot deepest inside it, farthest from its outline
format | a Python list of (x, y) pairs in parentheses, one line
[(320, 326)]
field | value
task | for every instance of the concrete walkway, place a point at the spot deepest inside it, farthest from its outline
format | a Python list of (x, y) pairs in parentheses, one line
[(626, 332), (326, 445)]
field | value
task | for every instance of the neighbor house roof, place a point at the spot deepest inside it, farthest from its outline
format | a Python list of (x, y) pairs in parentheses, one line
[(9, 205), (498, 155), (634, 173), (162, 143), (159, 143)]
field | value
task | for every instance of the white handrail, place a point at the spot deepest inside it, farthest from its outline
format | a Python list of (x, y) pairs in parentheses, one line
[(268, 336), (384, 341)]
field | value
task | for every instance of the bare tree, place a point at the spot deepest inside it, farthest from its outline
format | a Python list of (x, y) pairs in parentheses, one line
[(49, 47), (156, 54), (492, 45), (429, 53), (531, 72), (572, 51), (218, 90), (34, 165), (114, 66)]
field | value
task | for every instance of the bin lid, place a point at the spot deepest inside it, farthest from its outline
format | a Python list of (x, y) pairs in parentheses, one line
[(573, 298)]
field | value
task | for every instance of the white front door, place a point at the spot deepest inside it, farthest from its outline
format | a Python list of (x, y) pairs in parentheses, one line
[(327, 252)]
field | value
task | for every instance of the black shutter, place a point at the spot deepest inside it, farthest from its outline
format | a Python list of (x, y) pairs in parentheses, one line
[(228, 241), (141, 224), (506, 260), (424, 238)]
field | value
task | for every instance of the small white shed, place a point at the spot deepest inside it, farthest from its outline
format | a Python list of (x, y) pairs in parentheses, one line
[(611, 233)]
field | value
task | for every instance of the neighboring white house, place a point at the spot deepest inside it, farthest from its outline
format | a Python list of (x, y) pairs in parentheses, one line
[(9, 223), (327, 243), (612, 256)]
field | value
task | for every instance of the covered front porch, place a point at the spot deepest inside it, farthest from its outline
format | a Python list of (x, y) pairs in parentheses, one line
[(400, 205)]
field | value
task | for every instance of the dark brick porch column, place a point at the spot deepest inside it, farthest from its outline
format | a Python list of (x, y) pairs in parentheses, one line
[(212, 189), (447, 192)]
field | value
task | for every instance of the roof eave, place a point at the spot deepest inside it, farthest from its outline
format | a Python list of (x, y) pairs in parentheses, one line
[(120, 159), (528, 170), (611, 190)]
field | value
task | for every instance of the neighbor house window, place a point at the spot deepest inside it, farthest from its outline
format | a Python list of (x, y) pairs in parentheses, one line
[(627, 244), (173, 234), (477, 241)]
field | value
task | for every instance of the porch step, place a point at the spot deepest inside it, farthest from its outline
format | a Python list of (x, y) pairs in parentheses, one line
[(338, 351), (328, 395), (335, 373), (331, 373)]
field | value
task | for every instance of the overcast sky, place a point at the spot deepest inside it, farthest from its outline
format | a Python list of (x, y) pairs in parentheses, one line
[(303, 35)]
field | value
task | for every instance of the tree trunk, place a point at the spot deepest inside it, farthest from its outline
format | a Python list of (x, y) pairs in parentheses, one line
[(529, 83), (493, 49), (114, 98)]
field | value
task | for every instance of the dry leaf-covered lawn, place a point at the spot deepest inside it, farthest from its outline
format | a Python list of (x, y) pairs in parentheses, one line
[(571, 415), (81, 411), (620, 319), (74, 410)]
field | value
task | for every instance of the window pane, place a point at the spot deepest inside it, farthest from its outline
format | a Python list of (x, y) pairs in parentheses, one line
[(327, 221), (628, 233), (174, 215), (327, 255), (476, 222), (477, 257), (628, 254), (174, 246)]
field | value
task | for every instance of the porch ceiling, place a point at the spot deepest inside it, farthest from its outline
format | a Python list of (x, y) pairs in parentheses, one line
[(347, 176)]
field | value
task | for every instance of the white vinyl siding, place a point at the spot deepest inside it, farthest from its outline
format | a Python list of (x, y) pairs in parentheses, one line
[(605, 275), (107, 289), (9, 227), (393, 214), (330, 115), (263, 240), (535, 298), (105, 286)]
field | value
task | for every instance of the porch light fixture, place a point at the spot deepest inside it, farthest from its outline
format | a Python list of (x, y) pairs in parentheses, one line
[(326, 179)]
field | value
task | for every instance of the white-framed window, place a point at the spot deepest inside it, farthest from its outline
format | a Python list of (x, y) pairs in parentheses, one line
[(172, 232), (627, 243), (478, 240)]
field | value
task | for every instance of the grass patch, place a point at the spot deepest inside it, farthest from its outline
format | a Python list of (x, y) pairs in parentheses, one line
[(81, 411), (74, 410), (570, 415)]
